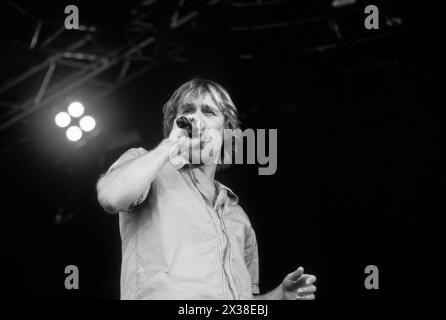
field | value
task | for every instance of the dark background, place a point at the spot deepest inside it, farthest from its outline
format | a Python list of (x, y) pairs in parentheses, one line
[(360, 178)]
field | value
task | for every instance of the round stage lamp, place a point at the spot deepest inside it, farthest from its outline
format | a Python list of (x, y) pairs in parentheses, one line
[(87, 123), (74, 133), (62, 119), (76, 109)]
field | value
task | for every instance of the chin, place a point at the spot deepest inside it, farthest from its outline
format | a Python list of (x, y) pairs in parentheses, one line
[(207, 159)]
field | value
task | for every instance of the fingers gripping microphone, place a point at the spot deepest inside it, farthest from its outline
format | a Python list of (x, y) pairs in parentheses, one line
[(185, 124)]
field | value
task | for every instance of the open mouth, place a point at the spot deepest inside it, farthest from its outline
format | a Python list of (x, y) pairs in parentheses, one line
[(203, 143)]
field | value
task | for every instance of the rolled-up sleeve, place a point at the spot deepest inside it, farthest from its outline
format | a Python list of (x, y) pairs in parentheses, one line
[(252, 260), (127, 156)]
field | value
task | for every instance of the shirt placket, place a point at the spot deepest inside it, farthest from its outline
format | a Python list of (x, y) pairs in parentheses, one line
[(223, 240), (222, 244), (227, 254)]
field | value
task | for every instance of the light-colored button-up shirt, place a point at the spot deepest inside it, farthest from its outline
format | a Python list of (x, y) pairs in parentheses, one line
[(177, 245)]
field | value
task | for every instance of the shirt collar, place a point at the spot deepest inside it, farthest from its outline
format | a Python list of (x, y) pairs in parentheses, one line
[(223, 191), (230, 194)]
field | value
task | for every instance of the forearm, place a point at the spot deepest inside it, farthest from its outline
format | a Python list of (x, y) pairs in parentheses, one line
[(276, 294), (121, 187)]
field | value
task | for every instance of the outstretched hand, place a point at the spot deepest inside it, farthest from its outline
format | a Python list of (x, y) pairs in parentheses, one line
[(299, 286)]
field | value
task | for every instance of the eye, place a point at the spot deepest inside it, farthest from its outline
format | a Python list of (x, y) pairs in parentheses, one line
[(187, 109), (208, 110)]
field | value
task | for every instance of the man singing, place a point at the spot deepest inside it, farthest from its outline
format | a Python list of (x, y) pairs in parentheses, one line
[(183, 234)]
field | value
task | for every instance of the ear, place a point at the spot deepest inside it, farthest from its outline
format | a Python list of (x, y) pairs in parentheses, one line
[(228, 124)]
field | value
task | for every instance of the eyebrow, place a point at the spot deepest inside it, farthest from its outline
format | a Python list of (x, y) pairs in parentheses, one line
[(209, 107), (190, 105), (187, 106)]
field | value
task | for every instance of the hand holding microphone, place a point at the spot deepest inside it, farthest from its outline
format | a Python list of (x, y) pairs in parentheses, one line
[(186, 124), (186, 145)]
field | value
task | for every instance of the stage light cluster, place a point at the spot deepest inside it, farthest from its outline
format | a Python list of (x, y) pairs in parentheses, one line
[(74, 132)]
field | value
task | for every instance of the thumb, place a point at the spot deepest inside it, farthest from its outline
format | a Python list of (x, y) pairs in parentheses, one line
[(293, 276)]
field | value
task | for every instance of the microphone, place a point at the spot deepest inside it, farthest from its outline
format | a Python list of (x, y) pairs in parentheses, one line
[(185, 124)]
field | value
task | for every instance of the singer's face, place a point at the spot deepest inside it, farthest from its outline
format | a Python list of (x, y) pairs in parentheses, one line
[(208, 122)]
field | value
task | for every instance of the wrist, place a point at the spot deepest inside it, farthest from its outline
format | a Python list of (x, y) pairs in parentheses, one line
[(167, 146), (171, 152), (282, 295)]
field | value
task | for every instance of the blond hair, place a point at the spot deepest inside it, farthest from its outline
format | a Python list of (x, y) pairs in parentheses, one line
[(196, 88)]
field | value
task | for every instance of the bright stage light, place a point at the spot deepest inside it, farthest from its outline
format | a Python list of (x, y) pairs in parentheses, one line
[(74, 133), (76, 109), (62, 119), (87, 123)]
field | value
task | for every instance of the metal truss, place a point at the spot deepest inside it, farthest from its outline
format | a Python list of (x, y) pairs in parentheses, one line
[(138, 52), (85, 64)]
